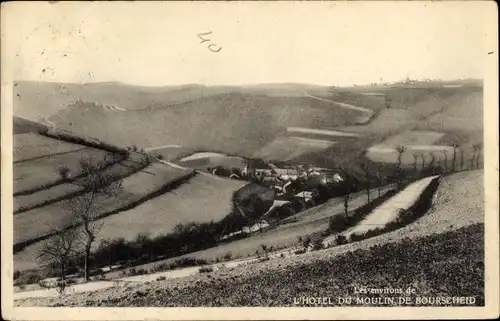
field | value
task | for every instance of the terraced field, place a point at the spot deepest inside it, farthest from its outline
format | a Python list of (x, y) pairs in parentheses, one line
[(30, 146), (64, 189), (43, 171), (43, 220)]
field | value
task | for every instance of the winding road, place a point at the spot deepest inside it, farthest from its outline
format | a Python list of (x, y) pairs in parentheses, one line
[(343, 105)]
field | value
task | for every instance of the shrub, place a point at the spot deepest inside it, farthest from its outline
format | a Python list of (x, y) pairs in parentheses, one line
[(161, 278), (33, 278), (337, 223), (228, 256), (17, 274), (340, 239), (206, 269), (63, 172), (300, 251), (73, 281), (47, 284), (317, 245), (306, 242), (355, 237)]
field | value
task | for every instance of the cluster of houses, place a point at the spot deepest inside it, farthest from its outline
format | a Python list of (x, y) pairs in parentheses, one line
[(280, 181), (282, 178)]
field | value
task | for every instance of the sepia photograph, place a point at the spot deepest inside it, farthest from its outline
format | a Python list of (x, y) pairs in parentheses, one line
[(249, 155)]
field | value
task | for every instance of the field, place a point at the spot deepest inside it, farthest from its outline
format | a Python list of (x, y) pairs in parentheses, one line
[(42, 221), (288, 148), (430, 255), (203, 160), (59, 190), (169, 152), (413, 137), (42, 171), (201, 199), (30, 146)]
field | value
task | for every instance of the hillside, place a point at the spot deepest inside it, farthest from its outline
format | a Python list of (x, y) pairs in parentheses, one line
[(443, 246), (38, 100), (255, 120), (233, 123)]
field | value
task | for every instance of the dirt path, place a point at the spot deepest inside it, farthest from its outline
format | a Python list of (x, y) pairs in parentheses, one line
[(161, 147), (78, 288), (343, 105), (388, 211)]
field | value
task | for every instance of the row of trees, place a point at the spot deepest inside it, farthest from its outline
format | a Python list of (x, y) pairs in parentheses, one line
[(375, 176)]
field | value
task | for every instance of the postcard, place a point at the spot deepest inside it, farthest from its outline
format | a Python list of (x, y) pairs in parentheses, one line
[(251, 160)]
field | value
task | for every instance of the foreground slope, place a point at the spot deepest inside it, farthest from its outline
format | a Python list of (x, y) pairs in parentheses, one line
[(441, 254)]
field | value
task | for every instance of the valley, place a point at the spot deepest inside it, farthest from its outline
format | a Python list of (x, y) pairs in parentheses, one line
[(233, 178)]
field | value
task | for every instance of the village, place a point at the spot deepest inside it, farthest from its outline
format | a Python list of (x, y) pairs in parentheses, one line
[(285, 190)]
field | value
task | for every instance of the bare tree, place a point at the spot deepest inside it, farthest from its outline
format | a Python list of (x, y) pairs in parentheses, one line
[(462, 160), (387, 102), (455, 146), (61, 250), (415, 161), (432, 162), (84, 208), (366, 169), (479, 149), (401, 149), (445, 161), (433, 159), (348, 188), (422, 155), (379, 176), (473, 160)]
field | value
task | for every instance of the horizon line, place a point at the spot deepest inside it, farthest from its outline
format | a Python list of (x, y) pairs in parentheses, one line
[(402, 81)]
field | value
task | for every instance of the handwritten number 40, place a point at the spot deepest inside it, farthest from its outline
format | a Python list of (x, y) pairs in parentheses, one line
[(211, 46)]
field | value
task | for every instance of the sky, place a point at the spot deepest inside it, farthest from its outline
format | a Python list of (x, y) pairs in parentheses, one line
[(157, 44)]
